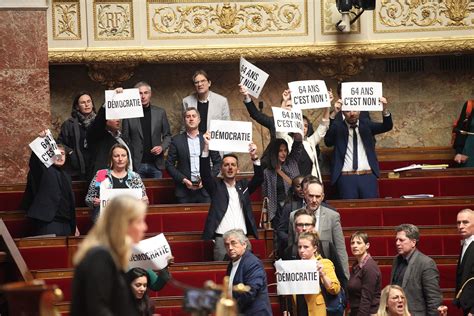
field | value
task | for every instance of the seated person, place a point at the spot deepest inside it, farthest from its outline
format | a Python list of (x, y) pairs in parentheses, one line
[(464, 137), (294, 201), (118, 176), (183, 161), (139, 281), (48, 199)]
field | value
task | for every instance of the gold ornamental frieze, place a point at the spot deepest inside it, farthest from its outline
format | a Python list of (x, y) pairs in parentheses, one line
[(191, 19), (66, 17), (113, 20), (423, 15)]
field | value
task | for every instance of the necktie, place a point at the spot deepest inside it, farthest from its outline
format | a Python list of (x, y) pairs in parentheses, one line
[(355, 160)]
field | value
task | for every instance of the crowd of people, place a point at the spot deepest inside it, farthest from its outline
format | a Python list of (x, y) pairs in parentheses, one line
[(113, 154)]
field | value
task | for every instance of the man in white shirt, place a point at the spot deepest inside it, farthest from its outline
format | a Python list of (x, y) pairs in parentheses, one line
[(230, 198), (465, 269)]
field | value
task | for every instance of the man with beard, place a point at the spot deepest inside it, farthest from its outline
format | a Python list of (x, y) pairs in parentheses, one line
[(354, 167), (230, 198)]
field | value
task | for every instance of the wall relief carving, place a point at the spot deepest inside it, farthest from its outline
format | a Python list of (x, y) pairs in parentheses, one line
[(239, 18), (113, 20), (425, 15), (66, 19), (111, 75)]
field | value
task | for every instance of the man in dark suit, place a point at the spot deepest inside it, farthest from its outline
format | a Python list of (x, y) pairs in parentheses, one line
[(247, 269), (416, 273), (183, 161), (465, 270), (354, 167), (230, 198), (148, 136)]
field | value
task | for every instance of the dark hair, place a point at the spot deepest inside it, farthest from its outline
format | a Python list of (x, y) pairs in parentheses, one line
[(273, 149), (144, 305), (310, 126), (411, 231), (75, 103), (362, 235), (303, 212), (202, 73), (231, 155)]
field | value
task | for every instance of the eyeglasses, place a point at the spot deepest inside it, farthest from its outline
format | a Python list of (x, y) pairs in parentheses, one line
[(304, 225), (200, 81)]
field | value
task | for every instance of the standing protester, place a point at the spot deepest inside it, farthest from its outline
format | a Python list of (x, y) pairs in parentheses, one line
[(48, 199), (73, 136), (148, 136), (464, 136)]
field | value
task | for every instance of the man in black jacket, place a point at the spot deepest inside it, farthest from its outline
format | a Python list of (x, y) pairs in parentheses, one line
[(183, 161), (465, 270), (230, 198)]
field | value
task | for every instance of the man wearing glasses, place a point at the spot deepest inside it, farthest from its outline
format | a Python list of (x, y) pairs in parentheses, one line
[(327, 223), (211, 106)]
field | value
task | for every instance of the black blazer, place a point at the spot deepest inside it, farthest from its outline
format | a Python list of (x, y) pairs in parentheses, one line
[(42, 196), (464, 271), (220, 198), (338, 136), (179, 166), (99, 141), (160, 136)]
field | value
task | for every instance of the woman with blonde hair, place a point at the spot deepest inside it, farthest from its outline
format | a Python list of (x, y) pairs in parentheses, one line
[(99, 285), (393, 302), (117, 176), (314, 304)]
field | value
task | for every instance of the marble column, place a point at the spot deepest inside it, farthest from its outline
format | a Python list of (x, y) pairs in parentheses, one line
[(24, 83)]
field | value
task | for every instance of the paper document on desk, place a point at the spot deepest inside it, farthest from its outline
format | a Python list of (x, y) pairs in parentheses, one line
[(422, 167), (417, 196)]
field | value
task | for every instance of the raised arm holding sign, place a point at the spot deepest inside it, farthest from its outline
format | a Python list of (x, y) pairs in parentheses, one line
[(233, 136), (123, 105), (252, 77), (361, 96), (309, 94)]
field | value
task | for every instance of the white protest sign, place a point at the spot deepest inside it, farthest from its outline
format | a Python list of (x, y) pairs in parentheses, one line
[(288, 121), (151, 253), (45, 149), (123, 105), (234, 136), (309, 94), (252, 77), (361, 96), (297, 277), (108, 194)]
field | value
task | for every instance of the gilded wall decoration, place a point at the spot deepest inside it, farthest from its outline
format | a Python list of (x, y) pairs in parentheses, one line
[(113, 20), (111, 75), (330, 16), (341, 68), (423, 15), (66, 20), (198, 20)]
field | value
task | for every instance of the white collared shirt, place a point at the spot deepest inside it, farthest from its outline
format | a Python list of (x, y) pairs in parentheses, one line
[(194, 145), (235, 266), (234, 215), (363, 162), (466, 244)]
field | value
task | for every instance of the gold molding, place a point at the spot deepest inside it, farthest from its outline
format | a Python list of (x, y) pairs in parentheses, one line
[(373, 49), (341, 68)]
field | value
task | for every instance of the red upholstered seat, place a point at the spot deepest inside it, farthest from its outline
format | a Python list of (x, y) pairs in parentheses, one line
[(46, 257)]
